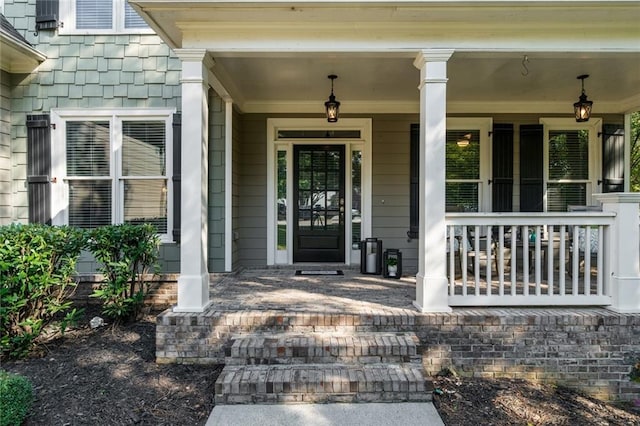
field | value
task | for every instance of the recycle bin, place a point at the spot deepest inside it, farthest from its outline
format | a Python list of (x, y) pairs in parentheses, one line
[(371, 256)]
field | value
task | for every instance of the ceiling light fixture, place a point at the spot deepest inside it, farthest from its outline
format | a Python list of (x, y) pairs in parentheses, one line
[(332, 106), (582, 108), (464, 140)]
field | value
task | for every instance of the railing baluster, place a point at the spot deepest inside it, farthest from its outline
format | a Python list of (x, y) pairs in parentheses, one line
[(476, 258), (561, 259), (514, 260), (600, 255), (587, 260), (525, 259), (464, 255), (452, 263), (489, 259), (501, 260), (575, 264), (537, 261), (549, 265)]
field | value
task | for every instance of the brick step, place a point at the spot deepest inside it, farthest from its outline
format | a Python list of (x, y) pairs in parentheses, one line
[(318, 348), (321, 383)]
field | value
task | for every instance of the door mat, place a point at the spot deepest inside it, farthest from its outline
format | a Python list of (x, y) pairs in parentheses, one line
[(306, 272)]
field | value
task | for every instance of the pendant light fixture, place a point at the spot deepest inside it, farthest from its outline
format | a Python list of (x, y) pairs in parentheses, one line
[(332, 106), (582, 108)]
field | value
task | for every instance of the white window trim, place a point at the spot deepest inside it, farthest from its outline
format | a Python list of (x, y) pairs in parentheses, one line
[(67, 10), (60, 190), (484, 125), (594, 126), (363, 144)]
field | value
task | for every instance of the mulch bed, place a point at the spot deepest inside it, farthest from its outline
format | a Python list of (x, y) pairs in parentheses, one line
[(108, 376)]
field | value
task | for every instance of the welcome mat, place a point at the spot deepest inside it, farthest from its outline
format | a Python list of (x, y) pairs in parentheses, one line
[(310, 272)]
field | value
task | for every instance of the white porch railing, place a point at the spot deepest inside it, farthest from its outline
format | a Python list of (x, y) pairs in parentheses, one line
[(507, 259)]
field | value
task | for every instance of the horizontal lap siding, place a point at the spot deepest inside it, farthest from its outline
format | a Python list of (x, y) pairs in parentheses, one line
[(252, 192), (390, 189), (5, 149)]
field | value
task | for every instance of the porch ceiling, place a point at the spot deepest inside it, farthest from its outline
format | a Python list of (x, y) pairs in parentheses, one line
[(275, 56)]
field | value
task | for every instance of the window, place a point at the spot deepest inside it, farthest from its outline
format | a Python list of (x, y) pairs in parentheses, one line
[(467, 152), (462, 170), (101, 17), (114, 168), (571, 157)]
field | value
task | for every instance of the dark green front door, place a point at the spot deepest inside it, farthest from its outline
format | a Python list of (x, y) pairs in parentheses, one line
[(319, 213)]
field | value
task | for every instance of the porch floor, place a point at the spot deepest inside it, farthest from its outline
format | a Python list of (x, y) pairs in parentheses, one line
[(280, 289), (354, 293)]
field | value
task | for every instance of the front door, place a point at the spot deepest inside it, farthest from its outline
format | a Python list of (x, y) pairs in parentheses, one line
[(319, 204)]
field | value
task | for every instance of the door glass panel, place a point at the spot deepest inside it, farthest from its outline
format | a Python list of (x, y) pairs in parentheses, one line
[(356, 198), (282, 200)]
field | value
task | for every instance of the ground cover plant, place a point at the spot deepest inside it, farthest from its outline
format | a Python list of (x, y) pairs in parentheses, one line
[(16, 395)]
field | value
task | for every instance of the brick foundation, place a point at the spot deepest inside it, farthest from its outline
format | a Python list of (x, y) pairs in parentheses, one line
[(589, 349), (162, 290)]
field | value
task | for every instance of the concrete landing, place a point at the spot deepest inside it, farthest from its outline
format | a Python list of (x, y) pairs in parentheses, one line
[(371, 414)]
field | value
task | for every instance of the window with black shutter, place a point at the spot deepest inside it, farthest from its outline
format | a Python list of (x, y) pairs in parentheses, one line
[(531, 168), (414, 182), (177, 176), (502, 167), (613, 158), (39, 168), (46, 15)]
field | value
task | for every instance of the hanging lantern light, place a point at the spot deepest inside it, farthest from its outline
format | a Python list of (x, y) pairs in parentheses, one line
[(582, 108), (332, 106)]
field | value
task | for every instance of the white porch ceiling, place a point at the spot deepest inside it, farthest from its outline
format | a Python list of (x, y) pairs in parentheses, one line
[(274, 56), (477, 82)]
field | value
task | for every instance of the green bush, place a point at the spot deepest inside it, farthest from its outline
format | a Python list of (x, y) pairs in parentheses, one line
[(635, 372), (126, 253), (37, 264), (16, 395)]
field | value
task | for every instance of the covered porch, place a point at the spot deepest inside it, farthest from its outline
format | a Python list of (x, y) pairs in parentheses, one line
[(446, 67)]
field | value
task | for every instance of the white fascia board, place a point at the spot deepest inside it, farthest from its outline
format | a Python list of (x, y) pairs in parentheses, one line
[(17, 57)]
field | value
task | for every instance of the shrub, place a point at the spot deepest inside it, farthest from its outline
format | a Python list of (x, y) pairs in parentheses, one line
[(635, 372), (126, 253), (16, 395), (37, 264)]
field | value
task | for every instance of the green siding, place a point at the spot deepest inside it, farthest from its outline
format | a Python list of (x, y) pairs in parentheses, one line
[(216, 183), (81, 71), (5, 148)]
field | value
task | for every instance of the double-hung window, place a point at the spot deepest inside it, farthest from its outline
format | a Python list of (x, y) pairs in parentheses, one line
[(100, 17), (571, 156), (467, 164), (112, 168)]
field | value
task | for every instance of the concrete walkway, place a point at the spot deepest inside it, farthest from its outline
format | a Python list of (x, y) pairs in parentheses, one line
[(369, 414)]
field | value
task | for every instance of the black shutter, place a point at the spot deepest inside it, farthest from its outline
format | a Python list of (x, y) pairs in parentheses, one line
[(39, 168), (531, 167), (613, 158), (414, 182), (46, 15), (502, 164), (177, 177)]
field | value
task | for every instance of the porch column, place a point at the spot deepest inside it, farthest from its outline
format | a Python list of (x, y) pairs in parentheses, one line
[(622, 256), (431, 280), (193, 282)]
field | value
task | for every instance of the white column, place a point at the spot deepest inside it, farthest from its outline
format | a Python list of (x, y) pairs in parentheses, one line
[(622, 250), (193, 283), (431, 280)]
